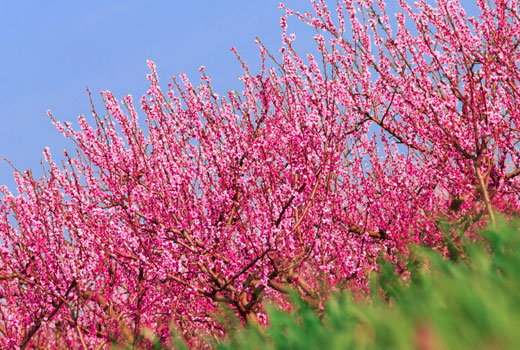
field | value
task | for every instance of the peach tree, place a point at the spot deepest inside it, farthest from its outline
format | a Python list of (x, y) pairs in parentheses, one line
[(320, 164)]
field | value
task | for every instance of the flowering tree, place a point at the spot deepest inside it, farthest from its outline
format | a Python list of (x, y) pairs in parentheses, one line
[(298, 181)]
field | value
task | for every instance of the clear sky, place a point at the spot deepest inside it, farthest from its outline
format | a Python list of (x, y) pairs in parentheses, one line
[(51, 50)]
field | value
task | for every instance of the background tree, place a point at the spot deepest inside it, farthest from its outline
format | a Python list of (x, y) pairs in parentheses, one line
[(299, 181)]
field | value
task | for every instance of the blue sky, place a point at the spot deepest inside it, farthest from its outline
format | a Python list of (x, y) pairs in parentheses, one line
[(52, 50)]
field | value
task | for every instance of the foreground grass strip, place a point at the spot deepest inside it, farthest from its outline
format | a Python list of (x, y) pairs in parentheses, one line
[(472, 303)]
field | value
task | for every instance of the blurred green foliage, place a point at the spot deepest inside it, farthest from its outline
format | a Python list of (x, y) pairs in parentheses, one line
[(471, 302)]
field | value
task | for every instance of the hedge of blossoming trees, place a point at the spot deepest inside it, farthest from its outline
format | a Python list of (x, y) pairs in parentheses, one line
[(300, 180)]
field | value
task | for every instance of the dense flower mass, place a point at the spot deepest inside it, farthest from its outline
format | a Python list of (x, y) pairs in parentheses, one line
[(301, 180)]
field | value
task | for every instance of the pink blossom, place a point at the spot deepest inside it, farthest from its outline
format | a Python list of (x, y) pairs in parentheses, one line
[(304, 178)]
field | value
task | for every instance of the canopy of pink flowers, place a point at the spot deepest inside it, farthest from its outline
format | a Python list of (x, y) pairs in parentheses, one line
[(301, 180)]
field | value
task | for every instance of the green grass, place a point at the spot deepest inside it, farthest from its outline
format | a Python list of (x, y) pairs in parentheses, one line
[(465, 303)]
